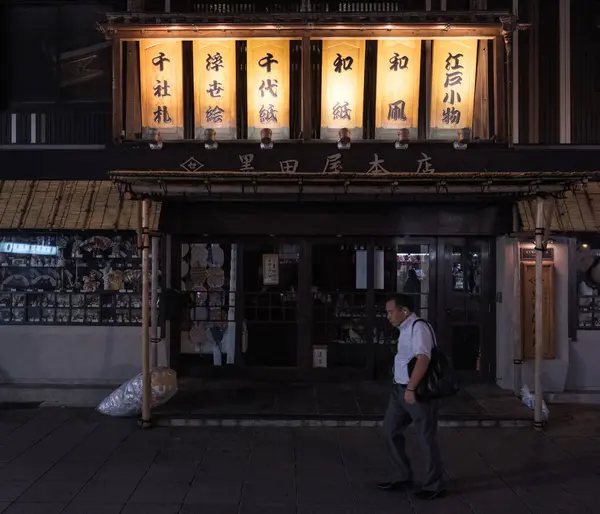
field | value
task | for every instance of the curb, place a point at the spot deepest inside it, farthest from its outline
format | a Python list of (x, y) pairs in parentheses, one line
[(188, 422)]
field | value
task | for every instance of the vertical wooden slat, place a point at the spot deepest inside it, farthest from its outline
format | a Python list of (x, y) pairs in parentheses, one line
[(481, 107), (188, 90), (117, 89), (500, 111), (317, 66), (370, 89), (549, 69), (306, 89), (585, 72), (534, 73), (241, 89), (133, 106)]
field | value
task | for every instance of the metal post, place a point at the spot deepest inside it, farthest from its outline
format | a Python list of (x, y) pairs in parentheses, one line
[(154, 339), (146, 386), (539, 322)]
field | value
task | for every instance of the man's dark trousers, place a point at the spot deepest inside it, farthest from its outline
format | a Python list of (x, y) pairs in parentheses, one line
[(423, 415)]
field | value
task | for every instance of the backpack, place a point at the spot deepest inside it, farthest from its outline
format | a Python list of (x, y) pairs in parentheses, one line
[(440, 380)]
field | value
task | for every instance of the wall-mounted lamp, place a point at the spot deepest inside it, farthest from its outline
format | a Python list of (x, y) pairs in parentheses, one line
[(344, 141), (155, 141), (266, 141), (210, 139), (403, 139), (464, 138)]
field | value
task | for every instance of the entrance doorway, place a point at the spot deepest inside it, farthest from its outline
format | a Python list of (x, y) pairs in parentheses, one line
[(341, 329), (271, 277), (466, 307), (316, 307)]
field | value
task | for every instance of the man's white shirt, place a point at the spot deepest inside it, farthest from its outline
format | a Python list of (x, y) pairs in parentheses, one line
[(412, 341)]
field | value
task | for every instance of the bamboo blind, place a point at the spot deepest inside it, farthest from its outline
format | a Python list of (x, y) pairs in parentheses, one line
[(577, 212), (68, 205)]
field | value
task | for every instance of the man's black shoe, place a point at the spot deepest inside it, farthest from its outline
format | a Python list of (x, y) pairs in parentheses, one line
[(401, 485), (424, 494)]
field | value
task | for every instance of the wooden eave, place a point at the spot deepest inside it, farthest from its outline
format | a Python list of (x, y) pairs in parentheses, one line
[(413, 25), (161, 184)]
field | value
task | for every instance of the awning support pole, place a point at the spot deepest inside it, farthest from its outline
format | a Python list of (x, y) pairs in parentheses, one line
[(145, 421), (154, 339), (538, 422)]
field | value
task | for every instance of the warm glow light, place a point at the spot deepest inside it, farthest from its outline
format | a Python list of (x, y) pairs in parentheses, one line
[(453, 86), (398, 73), (161, 82), (269, 87), (343, 76), (214, 87)]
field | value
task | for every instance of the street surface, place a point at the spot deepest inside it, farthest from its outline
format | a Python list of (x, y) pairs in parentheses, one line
[(77, 462)]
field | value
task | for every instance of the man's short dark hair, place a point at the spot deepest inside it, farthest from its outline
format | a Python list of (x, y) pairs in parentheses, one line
[(403, 301)]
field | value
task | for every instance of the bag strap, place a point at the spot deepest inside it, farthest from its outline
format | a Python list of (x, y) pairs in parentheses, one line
[(432, 332)]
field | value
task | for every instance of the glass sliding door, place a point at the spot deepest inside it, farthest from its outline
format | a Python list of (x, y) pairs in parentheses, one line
[(270, 275), (208, 285), (466, 314), (403, 266), (340, 334)]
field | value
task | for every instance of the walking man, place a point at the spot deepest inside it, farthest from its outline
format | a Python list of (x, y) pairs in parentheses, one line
[(416, 340)]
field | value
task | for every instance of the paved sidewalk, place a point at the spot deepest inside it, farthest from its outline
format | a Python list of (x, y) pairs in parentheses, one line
[(77, 462)]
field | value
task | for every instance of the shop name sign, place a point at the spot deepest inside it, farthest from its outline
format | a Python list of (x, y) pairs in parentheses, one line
[(330, 164), (27, 249)]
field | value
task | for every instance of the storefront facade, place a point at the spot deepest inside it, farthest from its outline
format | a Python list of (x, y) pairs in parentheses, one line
[(306, 299), (297, 174)]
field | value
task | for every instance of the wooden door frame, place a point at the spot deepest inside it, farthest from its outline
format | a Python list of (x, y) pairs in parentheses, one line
[(432, 304), (487, 246)]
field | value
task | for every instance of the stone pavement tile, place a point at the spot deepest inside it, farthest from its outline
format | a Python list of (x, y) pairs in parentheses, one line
[(547, 495), (296, 400), (24, 471), (167, 473), (106, 492), (491, 497), (10, 491), (585, 449), (72, 471), (31, 433), (4, 506), (166, 494), (265, 493), (121, 472), (453, 502), (179, 456), (268, 509), (51, 492), (35, 508), (209, 509), (93, 508), (583, 486), (151, 508), (214, 493), (358, 508)]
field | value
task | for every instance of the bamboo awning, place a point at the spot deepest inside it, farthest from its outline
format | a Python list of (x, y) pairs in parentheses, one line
[(161, 184), (574, 212), (68, 205)]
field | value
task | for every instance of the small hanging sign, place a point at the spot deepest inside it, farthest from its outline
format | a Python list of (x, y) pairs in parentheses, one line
[(270, 269)]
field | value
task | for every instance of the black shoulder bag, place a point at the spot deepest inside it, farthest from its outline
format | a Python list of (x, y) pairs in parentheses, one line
[(439, 381)]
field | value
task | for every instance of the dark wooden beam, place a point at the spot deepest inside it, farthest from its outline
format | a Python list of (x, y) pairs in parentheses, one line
[(500, 111), (117, 89), (306, 91), (410, 31), (133, 106)]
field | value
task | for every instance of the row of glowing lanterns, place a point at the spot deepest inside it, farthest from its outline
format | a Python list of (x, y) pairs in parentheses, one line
[(344, 139)]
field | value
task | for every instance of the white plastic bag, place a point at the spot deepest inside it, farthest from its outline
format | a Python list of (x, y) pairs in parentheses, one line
[(126, 400), (528, 399)]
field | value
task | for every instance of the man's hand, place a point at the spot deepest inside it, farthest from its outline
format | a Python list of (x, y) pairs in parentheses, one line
[(409, 397)]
